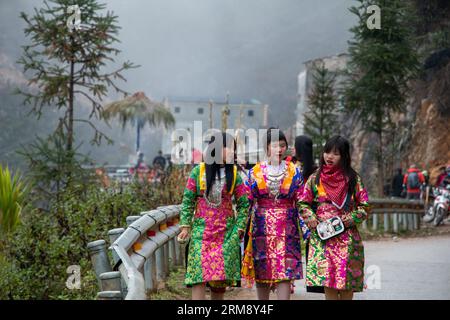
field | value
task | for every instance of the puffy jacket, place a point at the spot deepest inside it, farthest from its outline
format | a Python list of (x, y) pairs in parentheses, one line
[(405, 180)]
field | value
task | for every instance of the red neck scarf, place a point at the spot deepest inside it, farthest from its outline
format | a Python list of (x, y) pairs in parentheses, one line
[(335, 184)]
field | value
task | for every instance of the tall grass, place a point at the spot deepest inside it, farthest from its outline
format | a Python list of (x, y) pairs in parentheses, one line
[(12, 195)]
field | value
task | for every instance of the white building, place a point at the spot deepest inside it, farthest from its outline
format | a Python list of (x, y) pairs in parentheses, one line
[(195, 116)]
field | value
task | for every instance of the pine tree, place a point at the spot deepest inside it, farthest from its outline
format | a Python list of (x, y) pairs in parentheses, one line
[(68, 64), (382, 61), (320, 118)]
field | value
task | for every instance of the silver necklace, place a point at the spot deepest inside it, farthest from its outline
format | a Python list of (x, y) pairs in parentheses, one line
[(214, 199), (274, 178)]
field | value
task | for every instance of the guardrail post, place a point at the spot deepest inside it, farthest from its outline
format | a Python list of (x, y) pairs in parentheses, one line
[(178, 258), (113, 235), (364, 224), (151, 282), (386, 222), (416, 222), (99, 258), (166, 258), (111, 281), (109, 295), (405, 221), (375, 222), (172, 253), (395, 222), (160, 270)]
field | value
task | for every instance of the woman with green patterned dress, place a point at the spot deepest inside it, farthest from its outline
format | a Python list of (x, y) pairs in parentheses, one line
[(208, 218), (335, 189)]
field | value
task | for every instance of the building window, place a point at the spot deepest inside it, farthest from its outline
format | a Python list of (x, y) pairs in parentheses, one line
[(200, 110), (177, 110), (250, 113)]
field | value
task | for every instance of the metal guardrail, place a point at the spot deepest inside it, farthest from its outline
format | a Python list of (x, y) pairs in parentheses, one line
[(394, 214), (142, 254)]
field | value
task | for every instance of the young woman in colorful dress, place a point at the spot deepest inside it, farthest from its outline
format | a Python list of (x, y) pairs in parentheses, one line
[(335, 190), (208, 218), (272, 256)]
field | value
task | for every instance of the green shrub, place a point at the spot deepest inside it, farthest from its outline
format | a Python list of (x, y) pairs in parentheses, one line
[(35, 258)]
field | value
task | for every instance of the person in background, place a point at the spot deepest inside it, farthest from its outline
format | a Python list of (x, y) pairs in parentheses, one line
[(304, 156), (413, 181), (441, 176), (387, 188), (303, 151), (446, 181), (159, 161), (426, 176), (140, 169), (397, 184)]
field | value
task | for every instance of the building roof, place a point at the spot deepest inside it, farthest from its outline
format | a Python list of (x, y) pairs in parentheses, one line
[(222, 100), (334, 56)]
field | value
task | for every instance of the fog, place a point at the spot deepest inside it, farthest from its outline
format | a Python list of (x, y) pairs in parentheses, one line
[(206, 48)]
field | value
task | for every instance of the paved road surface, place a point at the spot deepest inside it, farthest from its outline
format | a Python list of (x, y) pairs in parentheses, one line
[(415, 268)]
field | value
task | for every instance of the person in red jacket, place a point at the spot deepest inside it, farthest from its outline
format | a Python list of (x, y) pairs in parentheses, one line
[(413, 181), (441, 177)]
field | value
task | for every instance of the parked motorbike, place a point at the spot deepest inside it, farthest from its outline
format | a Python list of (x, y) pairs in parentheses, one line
[(439, 209)]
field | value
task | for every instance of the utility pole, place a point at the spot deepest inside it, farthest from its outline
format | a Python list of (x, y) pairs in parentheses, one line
[(210, 114), (225, 113), (240, 141)]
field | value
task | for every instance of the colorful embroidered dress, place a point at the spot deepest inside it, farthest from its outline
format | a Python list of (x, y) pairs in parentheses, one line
[(273, 251), (338, 262), (214, 249)]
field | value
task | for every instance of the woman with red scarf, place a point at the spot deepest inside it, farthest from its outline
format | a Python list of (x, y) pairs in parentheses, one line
[(335, 190)]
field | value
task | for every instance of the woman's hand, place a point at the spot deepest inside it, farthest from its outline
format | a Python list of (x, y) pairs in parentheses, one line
[(184, 234), (347, 220), (312, 224)]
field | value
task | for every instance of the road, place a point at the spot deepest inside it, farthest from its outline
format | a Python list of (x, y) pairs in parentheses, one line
[(411, 268)]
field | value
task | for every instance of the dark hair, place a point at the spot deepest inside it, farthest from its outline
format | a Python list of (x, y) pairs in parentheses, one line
[(273, 132), (304, 153), (342, 145), (213, 170)]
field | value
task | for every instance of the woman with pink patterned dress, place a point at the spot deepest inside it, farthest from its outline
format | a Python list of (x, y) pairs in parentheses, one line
[(207, 216), (272, 256), (335, 190)]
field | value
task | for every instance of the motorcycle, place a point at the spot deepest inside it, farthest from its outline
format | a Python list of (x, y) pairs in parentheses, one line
[(440, 207)]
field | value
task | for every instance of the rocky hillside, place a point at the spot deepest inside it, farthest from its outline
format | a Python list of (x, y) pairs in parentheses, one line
[(422, 136), (429, 143), (427, 126)]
